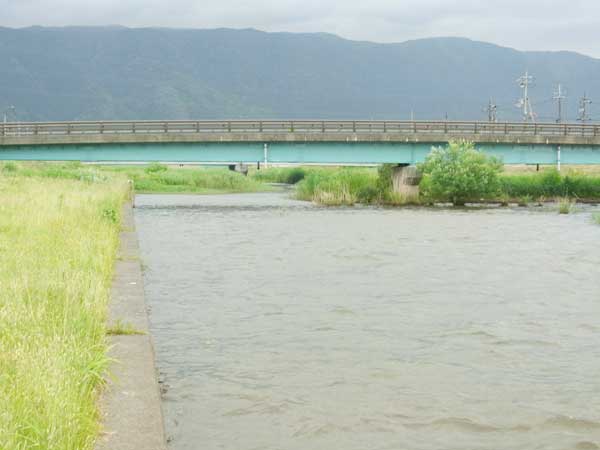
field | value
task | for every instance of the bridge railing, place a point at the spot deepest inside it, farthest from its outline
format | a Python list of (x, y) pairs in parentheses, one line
[(301, 126)]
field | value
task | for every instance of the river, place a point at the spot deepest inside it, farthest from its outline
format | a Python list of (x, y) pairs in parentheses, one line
[(280, 325)]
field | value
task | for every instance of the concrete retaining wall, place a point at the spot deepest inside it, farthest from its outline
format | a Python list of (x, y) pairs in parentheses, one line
[(131, 406)]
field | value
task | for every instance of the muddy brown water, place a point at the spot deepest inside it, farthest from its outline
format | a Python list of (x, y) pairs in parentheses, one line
[(281, 325)]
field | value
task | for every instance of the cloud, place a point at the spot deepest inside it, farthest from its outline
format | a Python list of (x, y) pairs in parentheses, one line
[(533, 25)]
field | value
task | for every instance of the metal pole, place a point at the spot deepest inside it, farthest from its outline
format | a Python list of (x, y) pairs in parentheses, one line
[(558, 158), (266, 155)]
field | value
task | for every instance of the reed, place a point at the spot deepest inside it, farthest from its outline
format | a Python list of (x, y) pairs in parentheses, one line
[(344, 186), (551, 183)]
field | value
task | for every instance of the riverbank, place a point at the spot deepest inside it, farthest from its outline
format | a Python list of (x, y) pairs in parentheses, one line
[(58, 242), (131, 403), (153, 178), (347, 186), (328, 185)]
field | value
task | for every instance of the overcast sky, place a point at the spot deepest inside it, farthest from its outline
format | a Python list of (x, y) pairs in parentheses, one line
[(522, 24)]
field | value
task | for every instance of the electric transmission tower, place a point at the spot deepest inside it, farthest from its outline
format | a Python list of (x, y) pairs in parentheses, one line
[(559, 96), (524, 103), (492, 111), (583, 109)]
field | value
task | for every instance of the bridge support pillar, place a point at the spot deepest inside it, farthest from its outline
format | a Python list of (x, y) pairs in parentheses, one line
[(241, 168), (405, 181)]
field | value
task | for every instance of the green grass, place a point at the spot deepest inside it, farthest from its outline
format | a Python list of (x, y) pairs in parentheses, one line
[(343, 186), (154, 178), (551, 183), (120, 328), (160, 179), (289, 175), (58, 241), (596, 218)]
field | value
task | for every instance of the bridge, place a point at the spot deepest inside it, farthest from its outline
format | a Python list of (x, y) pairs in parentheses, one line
[(294, 141)]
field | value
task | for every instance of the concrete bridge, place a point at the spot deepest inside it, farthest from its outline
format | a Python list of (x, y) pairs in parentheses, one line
[(294, 141)]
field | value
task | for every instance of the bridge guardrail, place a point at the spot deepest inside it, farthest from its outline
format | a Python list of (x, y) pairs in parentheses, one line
[(300, 126)]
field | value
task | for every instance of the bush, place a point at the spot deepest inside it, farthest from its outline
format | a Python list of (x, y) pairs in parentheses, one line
[(459, 173), (295, 175)]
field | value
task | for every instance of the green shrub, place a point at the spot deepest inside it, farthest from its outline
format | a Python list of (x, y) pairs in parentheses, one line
[(295, 175), (459, 173)]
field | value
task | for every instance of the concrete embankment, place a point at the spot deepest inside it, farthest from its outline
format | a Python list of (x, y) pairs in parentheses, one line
[(131, 406)]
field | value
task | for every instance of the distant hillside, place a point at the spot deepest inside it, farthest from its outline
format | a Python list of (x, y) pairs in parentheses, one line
[(121, 73)]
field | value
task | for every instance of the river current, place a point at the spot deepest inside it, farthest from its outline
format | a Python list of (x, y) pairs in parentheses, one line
[(280, 325)]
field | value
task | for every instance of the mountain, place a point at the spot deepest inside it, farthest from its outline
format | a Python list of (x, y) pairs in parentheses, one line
[(81, 73)]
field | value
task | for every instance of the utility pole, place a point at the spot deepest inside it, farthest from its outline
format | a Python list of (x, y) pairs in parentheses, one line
[(12, 109), (559, 96), (524, 102), (492, 111), (583, 109)]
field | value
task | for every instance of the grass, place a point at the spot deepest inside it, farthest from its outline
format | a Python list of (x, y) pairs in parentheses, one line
[(596, 218), (524, 200), (551, 183), (289, 175), (154, 178), (343, 186), (120, 328), (58, 241), (565, 205), (161, 179), (346, 186)]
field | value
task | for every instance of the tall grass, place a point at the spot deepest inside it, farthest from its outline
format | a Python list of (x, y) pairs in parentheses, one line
[(565, 205), (58, 240), (160, 179), (289, 175), (344, 186), (551, 183)]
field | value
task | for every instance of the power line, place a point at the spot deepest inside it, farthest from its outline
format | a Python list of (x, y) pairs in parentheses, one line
[(524, 102)]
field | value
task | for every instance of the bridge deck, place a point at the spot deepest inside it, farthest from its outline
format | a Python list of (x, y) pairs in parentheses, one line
[(294, 141), (37, 133)]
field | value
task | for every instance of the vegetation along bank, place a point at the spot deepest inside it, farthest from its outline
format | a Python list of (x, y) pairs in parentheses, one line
[(59, 232)]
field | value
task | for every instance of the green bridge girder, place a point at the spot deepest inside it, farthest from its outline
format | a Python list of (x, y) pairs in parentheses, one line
[(291, 152)]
